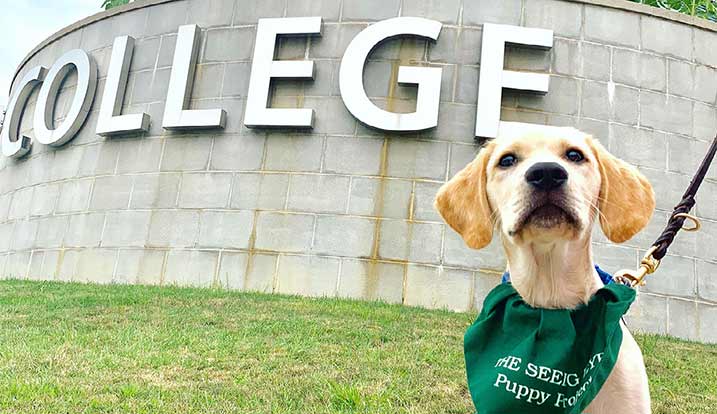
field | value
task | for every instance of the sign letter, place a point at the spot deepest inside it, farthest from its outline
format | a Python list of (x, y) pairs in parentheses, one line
[(493, 78), (81, 103), (180, 87), (264, 67), (427, 79), (12, 144), (110, 122)]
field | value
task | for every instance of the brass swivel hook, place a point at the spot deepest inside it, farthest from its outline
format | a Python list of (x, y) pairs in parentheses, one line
[(649, 264), (634, 278)]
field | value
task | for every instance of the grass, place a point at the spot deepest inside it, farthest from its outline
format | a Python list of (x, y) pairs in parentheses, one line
[(73, 348)]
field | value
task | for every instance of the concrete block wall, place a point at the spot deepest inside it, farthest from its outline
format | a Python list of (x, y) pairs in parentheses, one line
[(345, 210)]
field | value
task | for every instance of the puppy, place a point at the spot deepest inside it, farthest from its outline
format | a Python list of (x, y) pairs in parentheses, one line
[(542, 189)]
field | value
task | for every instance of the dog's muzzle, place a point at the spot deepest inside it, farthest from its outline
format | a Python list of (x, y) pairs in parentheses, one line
[(547, 204)]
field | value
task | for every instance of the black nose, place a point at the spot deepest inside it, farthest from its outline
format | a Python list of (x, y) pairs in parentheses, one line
[(546, 176)]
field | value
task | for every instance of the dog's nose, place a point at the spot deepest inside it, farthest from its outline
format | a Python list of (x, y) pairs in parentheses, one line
[(546, 176)]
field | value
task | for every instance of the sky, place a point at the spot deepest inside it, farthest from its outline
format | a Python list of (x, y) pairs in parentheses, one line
[(25, 23)]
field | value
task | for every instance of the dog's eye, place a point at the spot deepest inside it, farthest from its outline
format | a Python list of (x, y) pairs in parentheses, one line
[(574, 155), (508, 160)]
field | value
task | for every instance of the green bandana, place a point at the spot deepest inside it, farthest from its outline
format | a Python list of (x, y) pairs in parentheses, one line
[(521, 359)]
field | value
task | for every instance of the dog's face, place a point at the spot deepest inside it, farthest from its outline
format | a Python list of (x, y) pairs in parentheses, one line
[(543, 184)]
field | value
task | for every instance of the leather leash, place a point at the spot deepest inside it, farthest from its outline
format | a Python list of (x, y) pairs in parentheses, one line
[(651, 261)]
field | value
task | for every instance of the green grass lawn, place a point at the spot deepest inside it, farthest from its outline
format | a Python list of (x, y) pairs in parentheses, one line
[(73, 348)]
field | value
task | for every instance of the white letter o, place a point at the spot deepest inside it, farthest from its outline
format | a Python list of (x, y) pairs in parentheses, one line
[(84, 94)]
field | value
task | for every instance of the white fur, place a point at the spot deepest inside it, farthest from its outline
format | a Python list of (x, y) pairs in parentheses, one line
[(561, 275), (557, 273), (550, 269)]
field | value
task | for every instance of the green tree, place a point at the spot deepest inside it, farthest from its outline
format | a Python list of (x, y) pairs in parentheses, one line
[(108, 4), (706, 9)]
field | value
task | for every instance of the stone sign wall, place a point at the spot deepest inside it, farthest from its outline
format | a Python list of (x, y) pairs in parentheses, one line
[(343, 209)]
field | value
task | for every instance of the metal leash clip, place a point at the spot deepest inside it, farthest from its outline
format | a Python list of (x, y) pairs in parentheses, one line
[(649, 263), (634, 278)]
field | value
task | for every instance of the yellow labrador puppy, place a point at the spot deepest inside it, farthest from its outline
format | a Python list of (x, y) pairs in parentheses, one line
[(542, 189)]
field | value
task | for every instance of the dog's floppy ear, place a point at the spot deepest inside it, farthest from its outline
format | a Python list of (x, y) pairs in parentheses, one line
[(463, 202), (626, 197)]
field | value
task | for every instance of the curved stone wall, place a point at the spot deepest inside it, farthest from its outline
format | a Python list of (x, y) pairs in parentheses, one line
[(343, 209)]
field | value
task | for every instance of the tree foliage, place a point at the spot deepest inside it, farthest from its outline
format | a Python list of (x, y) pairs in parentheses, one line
[(108, 4), (706, 9)]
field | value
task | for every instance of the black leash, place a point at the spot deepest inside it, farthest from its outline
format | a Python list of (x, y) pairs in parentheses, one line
[(652, 258)]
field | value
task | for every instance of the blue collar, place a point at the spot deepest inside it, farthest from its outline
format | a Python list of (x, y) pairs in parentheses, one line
[(604, 276)]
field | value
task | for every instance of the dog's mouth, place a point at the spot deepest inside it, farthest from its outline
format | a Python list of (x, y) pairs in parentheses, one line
[(546, 215)]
